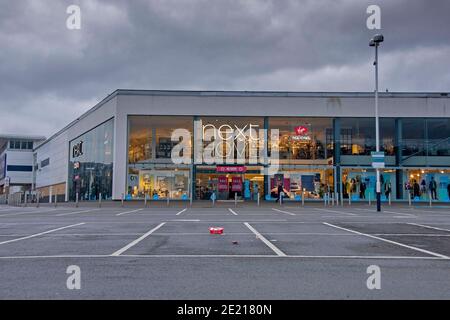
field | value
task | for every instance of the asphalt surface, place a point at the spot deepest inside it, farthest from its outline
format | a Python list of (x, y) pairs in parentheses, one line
[(267, 252)]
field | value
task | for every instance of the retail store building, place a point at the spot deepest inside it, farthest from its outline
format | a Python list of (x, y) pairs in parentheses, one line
[(125, 146)]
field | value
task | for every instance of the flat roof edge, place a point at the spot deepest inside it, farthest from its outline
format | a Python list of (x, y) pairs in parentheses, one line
[(219, 93), (105, 100)]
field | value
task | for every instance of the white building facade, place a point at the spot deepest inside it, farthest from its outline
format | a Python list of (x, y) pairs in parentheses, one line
[(16, 162), (123, 147)]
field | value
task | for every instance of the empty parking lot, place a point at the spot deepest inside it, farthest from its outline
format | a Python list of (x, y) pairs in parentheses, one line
[(267, 252)]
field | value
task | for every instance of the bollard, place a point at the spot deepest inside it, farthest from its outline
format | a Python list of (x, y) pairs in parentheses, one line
[(303, 198), (235, 199), (145, 201), (332, 199), (25, 199), (389, 199), (329, 198), (342, 198), (370, 199), (37, 199), (350, 199), (56, 200), (100, 200), (281, 199), (213, 200), (76, 200), (122, 199), (168, 199), (409, 199), (190, 201), (431, 200), (324, 199), (257, 199)]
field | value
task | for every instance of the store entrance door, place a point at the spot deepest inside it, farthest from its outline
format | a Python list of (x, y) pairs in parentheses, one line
[(245, 186)]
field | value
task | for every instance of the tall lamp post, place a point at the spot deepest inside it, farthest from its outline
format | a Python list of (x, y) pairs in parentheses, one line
[(375, 42)]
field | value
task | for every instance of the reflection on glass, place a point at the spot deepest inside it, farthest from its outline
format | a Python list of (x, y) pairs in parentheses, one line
[(158, 184), (438, 137), (313, 184), (91, 163), (304, 138), (358, 136), (149, 137)]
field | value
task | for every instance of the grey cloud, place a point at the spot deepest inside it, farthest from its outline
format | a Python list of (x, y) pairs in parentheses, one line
[(314, 45)]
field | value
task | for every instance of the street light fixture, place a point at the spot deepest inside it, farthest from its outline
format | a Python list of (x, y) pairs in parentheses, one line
[(375, 42)]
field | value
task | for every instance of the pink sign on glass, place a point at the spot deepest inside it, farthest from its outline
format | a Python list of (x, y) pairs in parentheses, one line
[(232, 169)]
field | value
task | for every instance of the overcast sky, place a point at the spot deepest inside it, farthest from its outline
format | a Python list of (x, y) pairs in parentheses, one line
[(49, 75)]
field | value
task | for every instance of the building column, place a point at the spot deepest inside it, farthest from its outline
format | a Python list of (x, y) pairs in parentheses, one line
[(398, 158), (194, 165), (337, 153), (265, 164)]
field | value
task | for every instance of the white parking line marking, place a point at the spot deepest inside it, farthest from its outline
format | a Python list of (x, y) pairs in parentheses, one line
[(286, 212), (76, 212), (429, 227), (11, 208), (186, 220), (389, 241), (127, 212), (25, 212), (181, 211), (267, 242), (41, 233), (135, 242), (400, 213), (429, 211), (334, 211), (232, 211)]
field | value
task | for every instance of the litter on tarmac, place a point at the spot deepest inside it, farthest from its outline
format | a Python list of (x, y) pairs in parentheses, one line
[(216, 230)]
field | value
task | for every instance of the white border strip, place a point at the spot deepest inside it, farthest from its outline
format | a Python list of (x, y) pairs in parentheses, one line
[(135, 242), (227, 256), (178, 213), (40, 234), (388, 241), (267, 242), (232, 211)]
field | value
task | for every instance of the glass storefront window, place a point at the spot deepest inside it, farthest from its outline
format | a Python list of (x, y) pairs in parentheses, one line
[(314, 184), (91, 163), (360, 184), (413, 137), (358, 136), (304, 139), (139, 139), (438, 137), (149, 137), (239, 125), (158, 183), (421, 184), (246, 186)]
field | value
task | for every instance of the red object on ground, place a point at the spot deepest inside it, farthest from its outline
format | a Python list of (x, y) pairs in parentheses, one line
[(216, 230)]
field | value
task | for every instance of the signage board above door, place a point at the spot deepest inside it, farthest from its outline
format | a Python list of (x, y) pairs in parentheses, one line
[(231, 169)]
